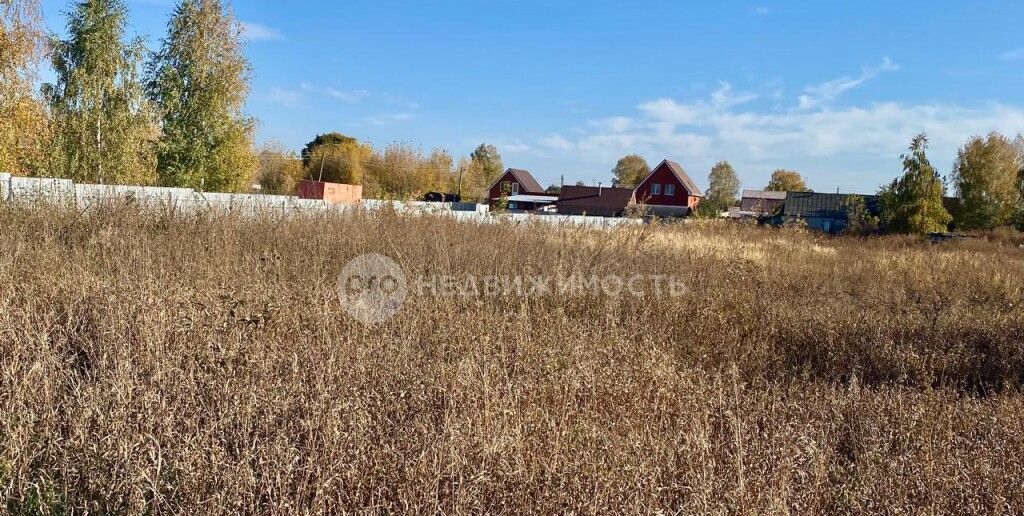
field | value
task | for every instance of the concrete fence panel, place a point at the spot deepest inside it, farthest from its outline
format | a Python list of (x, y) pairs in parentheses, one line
[(30, 189)]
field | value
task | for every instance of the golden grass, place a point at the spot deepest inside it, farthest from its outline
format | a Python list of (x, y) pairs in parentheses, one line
[(152, 363)]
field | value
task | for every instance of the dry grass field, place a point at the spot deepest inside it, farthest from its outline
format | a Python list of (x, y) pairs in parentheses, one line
[(159, 364)]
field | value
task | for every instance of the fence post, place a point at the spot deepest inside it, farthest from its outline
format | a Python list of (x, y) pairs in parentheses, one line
[(5, 186)]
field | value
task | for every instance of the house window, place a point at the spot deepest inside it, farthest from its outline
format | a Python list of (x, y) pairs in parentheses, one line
[(515, 188), (670, 190), (656, 189)]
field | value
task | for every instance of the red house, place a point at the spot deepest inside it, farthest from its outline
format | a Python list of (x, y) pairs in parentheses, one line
[(668, 191), (516, 182)]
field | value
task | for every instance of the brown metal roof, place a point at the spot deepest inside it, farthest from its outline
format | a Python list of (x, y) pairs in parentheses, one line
[(601, 201), (824, 205), (764, 194), (684, 178), (526, 180)]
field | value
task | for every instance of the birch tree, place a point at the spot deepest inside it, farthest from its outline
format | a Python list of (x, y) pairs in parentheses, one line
[(913, 203), (103, 125), (986, 178), (22, 116), (199, 81)]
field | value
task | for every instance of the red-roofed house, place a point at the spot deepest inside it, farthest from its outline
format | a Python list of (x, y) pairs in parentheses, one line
[(517, 182), (668, 191)]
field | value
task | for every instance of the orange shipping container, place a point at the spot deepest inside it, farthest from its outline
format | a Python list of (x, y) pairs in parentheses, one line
[(334, 193)]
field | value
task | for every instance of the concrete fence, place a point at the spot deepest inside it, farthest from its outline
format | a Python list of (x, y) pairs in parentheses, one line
[(5, 186), (186, 200)]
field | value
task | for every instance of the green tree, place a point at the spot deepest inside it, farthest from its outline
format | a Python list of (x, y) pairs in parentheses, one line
[(708, 210), (786, 181), (103, 130), (338, 160), (724, 187), (489, 159), (200, 79), (913, 203), (859, 220), (630, 171), (334, 138), (22, 115), (279, 170), (501, 206), (985, 176)]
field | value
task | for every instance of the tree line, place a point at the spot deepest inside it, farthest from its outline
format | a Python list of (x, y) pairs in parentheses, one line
[(119, 113), (395, 171)]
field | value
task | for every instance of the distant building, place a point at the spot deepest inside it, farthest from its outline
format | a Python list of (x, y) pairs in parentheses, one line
[(668, 191), (823, 211), (525, 203), (334, 193), (517, 182), (596, 201), (761, 203)]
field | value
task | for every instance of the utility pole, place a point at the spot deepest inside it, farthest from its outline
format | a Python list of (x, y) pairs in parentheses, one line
[(459, 193), (322, 159)]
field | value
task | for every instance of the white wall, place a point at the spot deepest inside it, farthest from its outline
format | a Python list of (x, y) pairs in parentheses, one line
[(64, 191), (42, 190)]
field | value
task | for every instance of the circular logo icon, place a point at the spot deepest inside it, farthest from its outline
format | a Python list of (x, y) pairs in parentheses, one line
[(372, 288)]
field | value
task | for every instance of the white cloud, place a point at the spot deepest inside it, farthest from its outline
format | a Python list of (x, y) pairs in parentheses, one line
[(285, 97), (252, 31), (724, 97), (826, 92), (850, 141), (759, 11), (402, 102), (557, 142), (1012, 55), (335, 93), (512, 147), (616, 124), (346, 96), (389, 119)]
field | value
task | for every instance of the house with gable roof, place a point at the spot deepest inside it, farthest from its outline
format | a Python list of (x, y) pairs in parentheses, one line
[(521, 190), (668, 191)]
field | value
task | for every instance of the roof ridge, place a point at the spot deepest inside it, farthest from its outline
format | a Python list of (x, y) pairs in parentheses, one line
[(683, 177)]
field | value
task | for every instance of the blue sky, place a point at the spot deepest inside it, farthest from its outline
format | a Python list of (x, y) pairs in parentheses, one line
[(833, 89)]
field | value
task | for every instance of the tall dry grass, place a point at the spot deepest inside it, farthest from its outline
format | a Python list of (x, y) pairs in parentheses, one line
[(152, 363)]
